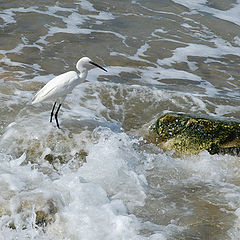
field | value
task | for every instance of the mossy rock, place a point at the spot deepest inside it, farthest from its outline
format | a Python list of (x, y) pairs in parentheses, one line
[(190, 135), (43, 218)]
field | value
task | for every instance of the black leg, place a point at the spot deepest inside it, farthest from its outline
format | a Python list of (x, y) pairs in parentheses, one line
[(52, 111), (56, 114)]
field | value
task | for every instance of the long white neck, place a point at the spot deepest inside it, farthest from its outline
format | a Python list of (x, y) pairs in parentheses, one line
[(83, 74), (83, 70)]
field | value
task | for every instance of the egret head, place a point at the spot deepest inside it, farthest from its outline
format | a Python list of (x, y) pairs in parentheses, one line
[(84, 62)]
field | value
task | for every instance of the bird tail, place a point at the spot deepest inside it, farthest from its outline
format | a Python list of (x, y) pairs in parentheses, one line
[(35, 99)]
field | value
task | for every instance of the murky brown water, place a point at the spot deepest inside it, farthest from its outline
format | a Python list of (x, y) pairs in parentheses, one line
[(161, 56)]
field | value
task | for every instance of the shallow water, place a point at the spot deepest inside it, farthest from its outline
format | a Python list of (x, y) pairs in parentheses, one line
[(96, 179)]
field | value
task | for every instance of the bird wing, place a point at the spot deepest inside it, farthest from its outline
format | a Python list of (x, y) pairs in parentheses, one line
[(57, 87)]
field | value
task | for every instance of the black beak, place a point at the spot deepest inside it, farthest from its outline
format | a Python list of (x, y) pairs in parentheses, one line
[(93, 63)]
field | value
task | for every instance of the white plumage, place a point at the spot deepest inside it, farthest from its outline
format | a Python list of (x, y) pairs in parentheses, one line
[(58, 88)]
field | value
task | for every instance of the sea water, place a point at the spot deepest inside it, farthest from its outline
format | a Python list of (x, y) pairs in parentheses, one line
[(96, 178)]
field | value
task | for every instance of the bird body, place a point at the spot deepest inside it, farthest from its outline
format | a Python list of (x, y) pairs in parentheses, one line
[(58, 88)]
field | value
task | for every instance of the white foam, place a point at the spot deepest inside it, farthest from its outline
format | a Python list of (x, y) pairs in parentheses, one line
[(99, 199), (237, 40), (92, 202), (8, 17), (175, 74), (180, 54), (195, 4), (222, 110), (231, 15), (138, 56), (114, 176)]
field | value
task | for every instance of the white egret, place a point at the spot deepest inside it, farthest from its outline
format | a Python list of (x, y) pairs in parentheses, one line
[(57, 88)]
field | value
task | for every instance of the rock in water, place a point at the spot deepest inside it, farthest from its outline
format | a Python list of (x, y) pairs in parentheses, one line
[(190, 135)]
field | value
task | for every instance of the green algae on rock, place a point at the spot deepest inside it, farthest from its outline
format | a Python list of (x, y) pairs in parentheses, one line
[(190, 135)]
